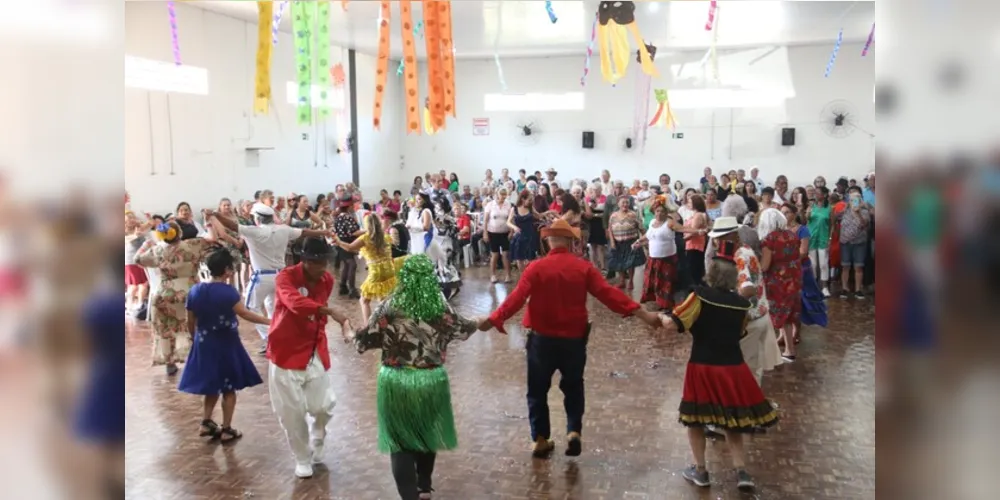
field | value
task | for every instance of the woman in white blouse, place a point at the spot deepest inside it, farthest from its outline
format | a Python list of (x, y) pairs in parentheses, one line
[(661, 267), (489, 182), (420, 222), (496, 233)]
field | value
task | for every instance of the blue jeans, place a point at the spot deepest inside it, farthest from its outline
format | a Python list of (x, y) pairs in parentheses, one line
[(853, 254), (546, 355)]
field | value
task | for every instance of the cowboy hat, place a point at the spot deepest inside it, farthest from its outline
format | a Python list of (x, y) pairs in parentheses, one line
[(724, 226), (552, 171), (561, 229), (316, 249)]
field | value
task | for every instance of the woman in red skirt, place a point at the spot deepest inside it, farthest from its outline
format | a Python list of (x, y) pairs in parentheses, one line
[(719, 389), (661, 267)]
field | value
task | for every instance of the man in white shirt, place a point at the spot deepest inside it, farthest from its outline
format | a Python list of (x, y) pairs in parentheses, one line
[(755, 177), (607, 187), (550, 177), (266, 244)]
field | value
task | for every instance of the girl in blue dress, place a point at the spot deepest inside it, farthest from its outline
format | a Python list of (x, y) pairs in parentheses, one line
[(218, 364), (522, 221)]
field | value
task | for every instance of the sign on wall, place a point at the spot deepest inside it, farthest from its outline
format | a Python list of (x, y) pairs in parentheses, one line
[(480, 126)]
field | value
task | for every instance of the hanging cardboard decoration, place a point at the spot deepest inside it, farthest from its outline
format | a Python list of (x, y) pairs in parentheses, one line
[(411, 84), (615, 21), (303, 14), (382, 68), (664, 116), (338, 75), (435, 69), (447, 57), (322, 60), (262, 80)]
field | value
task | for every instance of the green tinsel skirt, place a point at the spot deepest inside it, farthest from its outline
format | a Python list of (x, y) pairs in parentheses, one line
[(414, 411)]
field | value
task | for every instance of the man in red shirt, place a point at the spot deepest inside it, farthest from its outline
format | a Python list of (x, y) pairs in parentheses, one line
[(558, 330), (298, 353)]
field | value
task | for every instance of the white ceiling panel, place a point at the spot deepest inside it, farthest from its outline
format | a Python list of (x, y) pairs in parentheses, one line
[(525, 30)]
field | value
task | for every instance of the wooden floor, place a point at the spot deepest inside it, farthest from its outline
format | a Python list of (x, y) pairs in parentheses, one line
[(824, 447)]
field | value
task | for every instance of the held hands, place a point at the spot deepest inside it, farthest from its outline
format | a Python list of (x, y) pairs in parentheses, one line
[(484, 324), (347, 330)]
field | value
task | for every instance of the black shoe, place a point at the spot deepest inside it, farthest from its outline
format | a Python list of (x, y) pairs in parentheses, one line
[(354, 294), (744, 481), (844, 295), (697, 478), (343, 291), (859, 295), (574, 447)]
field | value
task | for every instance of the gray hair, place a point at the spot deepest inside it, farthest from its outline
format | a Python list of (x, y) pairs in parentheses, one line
[(771, 220), (722, 274), (735, 206)]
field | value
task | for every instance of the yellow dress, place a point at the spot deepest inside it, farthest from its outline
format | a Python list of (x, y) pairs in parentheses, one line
[(381, 278)]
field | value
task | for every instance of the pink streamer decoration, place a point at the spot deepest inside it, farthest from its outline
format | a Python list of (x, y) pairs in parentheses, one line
[(712, 6), (173, 32), (868, 44), (590, 52)]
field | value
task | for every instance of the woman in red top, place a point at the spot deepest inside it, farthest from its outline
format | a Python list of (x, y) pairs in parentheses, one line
[(781, 263)]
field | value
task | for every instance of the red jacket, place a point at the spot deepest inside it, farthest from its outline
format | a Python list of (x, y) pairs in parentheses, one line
[(297, 331), (558, 286)]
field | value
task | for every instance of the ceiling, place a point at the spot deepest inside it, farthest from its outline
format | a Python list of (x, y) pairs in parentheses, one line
[(525, 29)]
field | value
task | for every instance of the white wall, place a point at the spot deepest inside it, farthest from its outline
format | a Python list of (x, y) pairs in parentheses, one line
[(722, 138), (211, 133)]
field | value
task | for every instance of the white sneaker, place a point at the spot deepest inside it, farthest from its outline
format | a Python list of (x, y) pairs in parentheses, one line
[(826, 292), (317, 452), (303, 471)]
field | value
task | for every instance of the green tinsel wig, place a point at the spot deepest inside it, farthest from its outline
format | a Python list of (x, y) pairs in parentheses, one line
[(418, 293)]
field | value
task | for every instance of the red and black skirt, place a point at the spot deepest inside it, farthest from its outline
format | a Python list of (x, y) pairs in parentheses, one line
[(135, 275), (726, 397), (658, 285)]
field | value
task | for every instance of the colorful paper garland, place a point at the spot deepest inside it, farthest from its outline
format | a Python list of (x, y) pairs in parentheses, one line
[(175, 43), (590, 52), (868, 44), (551, 11), (833, 56), (664, 116), (302, 15), (411, 83), (712, 7), (382, 65), (276, 21), (262, 78)]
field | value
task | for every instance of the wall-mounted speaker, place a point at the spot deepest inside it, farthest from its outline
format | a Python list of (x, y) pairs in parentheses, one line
[(588, 140), (788, 137)]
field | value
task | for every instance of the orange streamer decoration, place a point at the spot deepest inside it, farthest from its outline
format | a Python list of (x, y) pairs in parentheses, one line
[(435, 69), (382, 73), (411, 83), (448, 57)]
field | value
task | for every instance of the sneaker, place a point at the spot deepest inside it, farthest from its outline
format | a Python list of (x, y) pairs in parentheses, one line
[(574, 447), (844, 295), (317, 451), (859, 295), (744, 481), (695, 477), (826, 292), (303, 471), (542, 448)]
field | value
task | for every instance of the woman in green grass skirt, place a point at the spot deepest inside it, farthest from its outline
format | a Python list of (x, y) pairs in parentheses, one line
[(413, 328)]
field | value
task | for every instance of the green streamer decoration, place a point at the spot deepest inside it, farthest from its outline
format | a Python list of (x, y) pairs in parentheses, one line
[(418, 294), (303, 14), (322, 68)]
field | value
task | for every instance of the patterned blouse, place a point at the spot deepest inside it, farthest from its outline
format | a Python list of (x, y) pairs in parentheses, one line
[(406, 342), (625, 226), (750, 274)]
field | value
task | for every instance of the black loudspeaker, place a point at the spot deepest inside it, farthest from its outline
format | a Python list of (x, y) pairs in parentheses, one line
[(788, 137), (588, 140)]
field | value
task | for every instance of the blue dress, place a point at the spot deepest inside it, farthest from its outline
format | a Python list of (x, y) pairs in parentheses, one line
[(218, 362), (524, 245), (813, 303), (99, 417)]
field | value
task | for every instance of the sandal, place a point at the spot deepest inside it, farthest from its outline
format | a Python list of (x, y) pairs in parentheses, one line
[(493, 279), (209, 428), (228, 434)]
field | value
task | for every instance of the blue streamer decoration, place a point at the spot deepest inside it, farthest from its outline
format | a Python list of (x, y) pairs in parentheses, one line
[(399, 70), (833, 57), (418, 29), (552, 13)]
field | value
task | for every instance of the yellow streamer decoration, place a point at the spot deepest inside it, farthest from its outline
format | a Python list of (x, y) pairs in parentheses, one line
[(262, 89)]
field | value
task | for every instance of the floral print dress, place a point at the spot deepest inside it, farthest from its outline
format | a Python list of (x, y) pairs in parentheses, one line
[(178, 267), (407, 342), (783, 280)]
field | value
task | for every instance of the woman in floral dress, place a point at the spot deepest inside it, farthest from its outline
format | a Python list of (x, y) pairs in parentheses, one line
[(413, 329), (782, 265), (178, 263)]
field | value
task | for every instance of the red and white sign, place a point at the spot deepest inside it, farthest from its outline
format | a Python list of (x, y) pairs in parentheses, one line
[(480, 126)]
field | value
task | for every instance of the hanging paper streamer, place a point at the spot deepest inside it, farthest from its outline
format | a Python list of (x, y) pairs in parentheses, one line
[(411, 84), (302, 16), (447, 57), (615, 21), (172, 13), (418, 30), (496, 47), (262, 79), (712, 6), (552, 13), (713, 51), (428, 126), (337, 73), (276, 21), (833, 57), (322, 57), (643, 87), (868, 44), (435, 63), (664, 116), (400, 68), (590, 52), (382, 67), (343, 4)]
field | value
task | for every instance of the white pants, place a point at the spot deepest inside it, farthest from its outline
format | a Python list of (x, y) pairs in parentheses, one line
[(296, 394), (260, 299), (760, 347), (821, 260)]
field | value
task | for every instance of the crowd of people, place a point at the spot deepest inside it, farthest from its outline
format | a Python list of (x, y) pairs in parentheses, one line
[(738, 263)]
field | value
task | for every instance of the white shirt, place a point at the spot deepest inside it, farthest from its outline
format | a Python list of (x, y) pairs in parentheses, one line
[(267, 244), (497, 213), (661, 241)]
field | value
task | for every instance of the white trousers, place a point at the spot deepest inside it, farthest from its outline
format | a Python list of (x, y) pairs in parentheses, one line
[(760, 347), (296, 394), (821, 260), (260, 299)]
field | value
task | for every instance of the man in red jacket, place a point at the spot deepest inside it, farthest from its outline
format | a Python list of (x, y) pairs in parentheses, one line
[(558, 330), (298, 353)]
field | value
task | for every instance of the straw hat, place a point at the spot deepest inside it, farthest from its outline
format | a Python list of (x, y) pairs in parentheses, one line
[(561, 229)]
